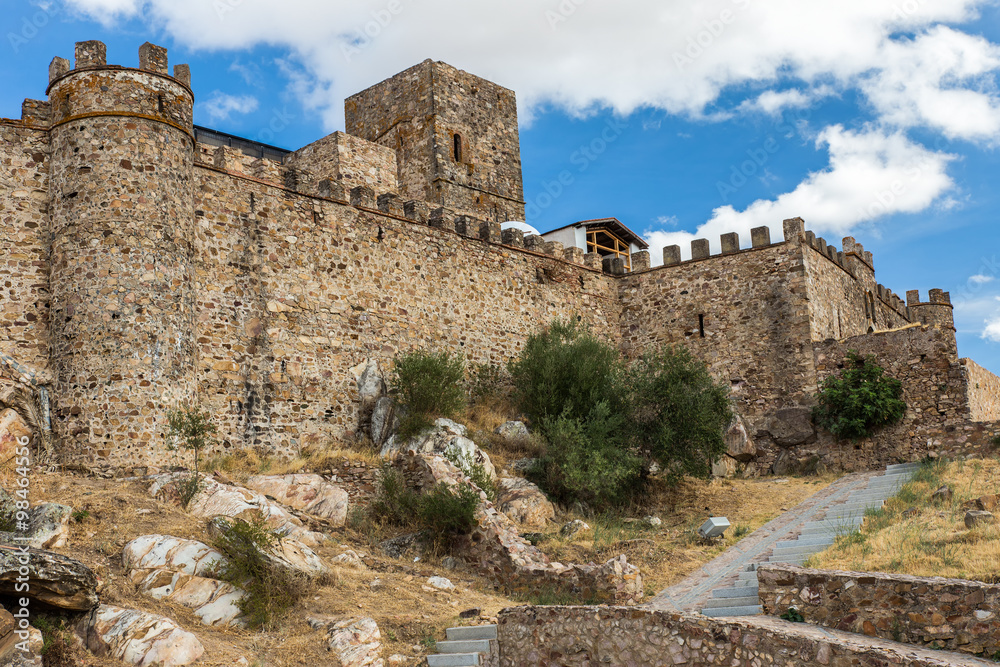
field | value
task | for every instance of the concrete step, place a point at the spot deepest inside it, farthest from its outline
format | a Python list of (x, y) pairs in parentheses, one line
[(732, 611), (807, 550), (845, 524), (819, 542), (453, 660), (788, 560), (470, 632), (464, 646), (729, 603), (744, 591)]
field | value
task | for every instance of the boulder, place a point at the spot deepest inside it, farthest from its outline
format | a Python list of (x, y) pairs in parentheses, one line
[(448, 439), (987, 503), (398, 547), (371, 386), (385, 422), (12, 429), (573, 528), (739, 445), (349, 559), (942, 495), (12, 645), (53, 580), (975, 518), (286, 553), (441, 583), (724, 467), (139, 638), (355, 642), (173, 554), (524, 502), (174, 569), (792, 426), (513, 430), (309, 493), (214, 499), (47, 525)]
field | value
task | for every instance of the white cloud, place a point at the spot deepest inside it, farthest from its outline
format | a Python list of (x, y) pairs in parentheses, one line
[(980, 279), (773, 102), (220, 106), (992, 330), (667, 54), (872, 173), (668, 220)]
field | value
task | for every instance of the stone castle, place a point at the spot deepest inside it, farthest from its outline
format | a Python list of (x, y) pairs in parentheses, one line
[(148, 262)]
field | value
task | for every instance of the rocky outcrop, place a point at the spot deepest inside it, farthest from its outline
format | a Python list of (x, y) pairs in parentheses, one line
[(12, 429), (139, 638), (446, 439), (739, 444), (384, 420), (355, 642), (174, 569), (286, 553), (19, 647), (512, 430), (308, 493), (524, 503), (47, 526), (792, 426), (215, 499), (53, 580), (496, 548)]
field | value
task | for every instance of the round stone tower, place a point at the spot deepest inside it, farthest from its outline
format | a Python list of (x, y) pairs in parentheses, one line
[(122, 230)]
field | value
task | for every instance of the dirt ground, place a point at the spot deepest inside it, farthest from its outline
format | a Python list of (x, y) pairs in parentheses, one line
[(411, 615)]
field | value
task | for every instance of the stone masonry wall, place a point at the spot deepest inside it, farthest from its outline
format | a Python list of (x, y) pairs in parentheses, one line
[(943, 613), (24, 229), (588, 636), (296, 291), (755, 323), (925, 360), (983, 392), (349, 161)]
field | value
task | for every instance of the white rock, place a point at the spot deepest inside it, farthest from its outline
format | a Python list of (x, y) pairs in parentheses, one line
[(441, 583), (143, 639), (349, 559), (356, 642), (512, 430), (309, 493), (170, 553)]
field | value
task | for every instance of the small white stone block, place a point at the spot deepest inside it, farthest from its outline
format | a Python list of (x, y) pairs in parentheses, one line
[(714, 527)]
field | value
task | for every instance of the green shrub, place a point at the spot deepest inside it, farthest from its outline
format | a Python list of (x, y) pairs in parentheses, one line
[(429, 385), (191, 428), (793, 615), (489, 382), (995, 441), (585, 461), (270, 590), (679, 414), (475, 471), (565, 370), (860, 401), (443, 512)]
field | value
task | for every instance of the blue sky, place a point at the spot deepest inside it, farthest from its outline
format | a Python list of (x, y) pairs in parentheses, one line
[(878, 119)]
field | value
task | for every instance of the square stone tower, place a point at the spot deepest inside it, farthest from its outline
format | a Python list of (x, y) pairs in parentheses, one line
[(455, 136)]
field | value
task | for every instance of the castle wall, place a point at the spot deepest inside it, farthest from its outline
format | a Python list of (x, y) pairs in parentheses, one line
[(24, 228), (925, 360), (755, 322), (348, 160), (295, 291), (982, 392)]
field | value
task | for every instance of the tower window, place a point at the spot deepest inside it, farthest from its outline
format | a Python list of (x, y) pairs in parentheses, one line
[(701, 326), (458, 147)]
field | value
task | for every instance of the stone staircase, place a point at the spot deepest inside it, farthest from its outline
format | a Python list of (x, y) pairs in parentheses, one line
[(470, 645), (842, 515)]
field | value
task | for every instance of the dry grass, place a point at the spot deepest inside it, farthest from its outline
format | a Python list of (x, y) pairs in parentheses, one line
[(242, 464), (931, 540), (670, 553)]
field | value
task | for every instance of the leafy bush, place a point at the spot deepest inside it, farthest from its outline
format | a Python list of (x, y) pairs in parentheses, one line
[(192, 428), (443, 512), (429, 385), (270, 590), (860, 401), (793, 615), (679, 414), (585, 462), (565, 370), (606, 422)]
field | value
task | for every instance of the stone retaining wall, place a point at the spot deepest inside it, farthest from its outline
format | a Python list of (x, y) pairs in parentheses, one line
[(587, 636), (983, 392), (942, 613)]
